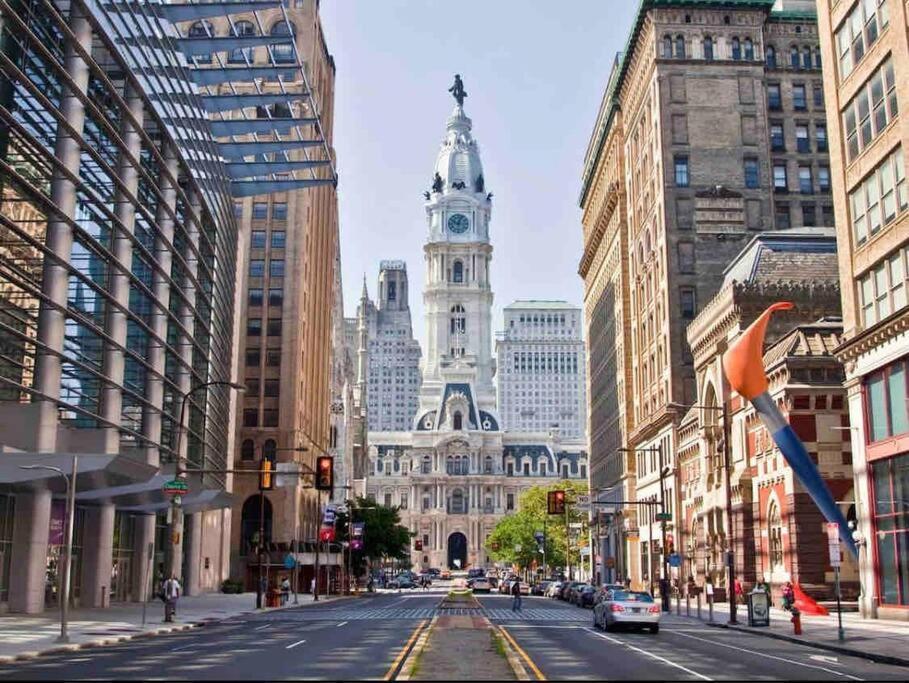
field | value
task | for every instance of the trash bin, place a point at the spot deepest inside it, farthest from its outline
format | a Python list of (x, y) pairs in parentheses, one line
[(758, 608)]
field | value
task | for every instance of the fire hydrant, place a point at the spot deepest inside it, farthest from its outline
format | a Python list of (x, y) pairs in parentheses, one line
[(796, 621)]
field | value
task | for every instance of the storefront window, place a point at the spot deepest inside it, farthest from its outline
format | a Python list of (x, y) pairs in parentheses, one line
[(891, 522), (121, 573), (7, 508)]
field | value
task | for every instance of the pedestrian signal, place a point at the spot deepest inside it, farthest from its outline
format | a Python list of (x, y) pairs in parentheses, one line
[(555, 502), (266, 478), (325, 473)]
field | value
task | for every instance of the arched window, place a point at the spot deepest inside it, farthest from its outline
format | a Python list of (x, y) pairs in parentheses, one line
[(770, 54), (680, 47), (427, 465), (248, 450), (283, 52), (775, 531), (457, 421), (749, 49), (449, 465), (201, 29), (667, 47), (736, 48), (806, 58), (242, 28), (458, 319), (379, 466), (708, 48), (794, 57), (250, 524), (487, 465), (457, 272), (270, 450)]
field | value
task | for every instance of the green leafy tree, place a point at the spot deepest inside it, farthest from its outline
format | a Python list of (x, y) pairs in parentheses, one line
[(513, 542), (383, 535)]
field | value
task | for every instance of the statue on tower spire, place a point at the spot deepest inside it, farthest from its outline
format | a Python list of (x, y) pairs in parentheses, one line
[(457, 90)]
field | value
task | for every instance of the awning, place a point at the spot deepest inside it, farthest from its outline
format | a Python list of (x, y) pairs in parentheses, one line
[(94, 471), (149, 497)]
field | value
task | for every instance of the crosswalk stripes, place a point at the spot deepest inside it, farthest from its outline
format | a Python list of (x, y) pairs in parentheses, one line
[(552, 615), (417, 613)]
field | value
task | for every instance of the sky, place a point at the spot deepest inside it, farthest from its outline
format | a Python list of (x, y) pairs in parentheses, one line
[(534, 71)]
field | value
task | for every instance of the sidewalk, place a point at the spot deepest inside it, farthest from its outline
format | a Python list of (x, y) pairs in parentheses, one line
[(26, 636), (875, 639)]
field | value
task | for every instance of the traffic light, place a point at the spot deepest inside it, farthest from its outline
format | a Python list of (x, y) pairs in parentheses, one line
[(266, 478), (555, 502), (325, 473)]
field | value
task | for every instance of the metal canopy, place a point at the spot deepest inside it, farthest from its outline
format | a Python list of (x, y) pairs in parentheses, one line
[(238, 150), (250, 188), (205, 45), (178, 12), (221, 129), (149, 497), (245, 169), (243, 74), (95, 471), (218, 103)]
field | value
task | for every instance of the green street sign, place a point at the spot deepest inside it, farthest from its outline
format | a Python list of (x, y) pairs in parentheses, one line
[(175, 487), (663, 517)]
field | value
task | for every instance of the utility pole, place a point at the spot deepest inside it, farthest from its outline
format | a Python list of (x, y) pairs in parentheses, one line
[(730, 529), (664, 584), (567, 544)]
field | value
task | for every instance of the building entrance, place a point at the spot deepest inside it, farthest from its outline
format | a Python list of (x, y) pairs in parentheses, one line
[(457, 551)]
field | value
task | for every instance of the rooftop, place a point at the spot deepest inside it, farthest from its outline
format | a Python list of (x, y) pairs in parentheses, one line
[(786, 255), (535, 304)]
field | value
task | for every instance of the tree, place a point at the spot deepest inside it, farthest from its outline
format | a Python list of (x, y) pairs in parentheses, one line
[(383, 535), (517, 530)]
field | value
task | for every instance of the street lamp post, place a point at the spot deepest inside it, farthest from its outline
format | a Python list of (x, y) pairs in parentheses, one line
[(176, 516), (68, 562)]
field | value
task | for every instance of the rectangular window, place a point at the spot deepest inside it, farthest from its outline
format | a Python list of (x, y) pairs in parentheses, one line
[(802, 143), (273, 359), (781, 214), (777, 137), (254, 327), (871, 110), (252, 387), (823, 178), (260, 211), (253, 357), (276, 296), (883, 290), (257, 239), (799, 98), (256, 268), (774, 98), (255, 297), (278, 239), (686, 257), (279, 211), (887, 402), (276, 268), (879, 198), (818, 90), (251, 417), (780, 179), (809, 215), (681, 171), (274, 327), (272, 387), (509, 501), (891, 481), (858, 32), (687, 302), (827, 217), (238, 209), (752, 174), (806, 184), (820, 137), (270, 418)]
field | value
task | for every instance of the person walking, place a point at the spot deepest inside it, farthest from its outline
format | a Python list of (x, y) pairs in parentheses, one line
[(171, 593), (788, 596), (285, 591), (516, 596)]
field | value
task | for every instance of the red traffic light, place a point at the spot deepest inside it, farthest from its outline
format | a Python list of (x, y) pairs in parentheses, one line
[(325, 473), (555, 502)]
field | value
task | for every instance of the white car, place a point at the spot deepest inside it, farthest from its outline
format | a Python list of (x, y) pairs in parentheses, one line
[(481, 585), (553, 589), (627, 608)]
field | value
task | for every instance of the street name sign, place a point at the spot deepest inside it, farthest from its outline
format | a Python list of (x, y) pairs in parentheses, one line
[(175, 487)]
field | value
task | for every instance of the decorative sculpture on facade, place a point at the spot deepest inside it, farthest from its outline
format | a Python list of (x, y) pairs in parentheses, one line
[(437, 183)]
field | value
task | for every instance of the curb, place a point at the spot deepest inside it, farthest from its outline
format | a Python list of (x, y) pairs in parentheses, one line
[(514, 661), (410, 661), (839, 649)]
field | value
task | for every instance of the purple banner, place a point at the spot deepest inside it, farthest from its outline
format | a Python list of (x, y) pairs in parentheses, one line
[(57, 526)]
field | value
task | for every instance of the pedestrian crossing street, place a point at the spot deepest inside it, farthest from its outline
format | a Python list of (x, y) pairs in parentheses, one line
[(408, 613)]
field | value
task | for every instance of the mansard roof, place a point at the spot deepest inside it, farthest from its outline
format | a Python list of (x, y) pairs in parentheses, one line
[(778, 256)]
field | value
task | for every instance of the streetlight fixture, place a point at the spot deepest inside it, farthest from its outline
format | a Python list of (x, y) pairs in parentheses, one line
[(176, 517), (727, 482), (67, 565)]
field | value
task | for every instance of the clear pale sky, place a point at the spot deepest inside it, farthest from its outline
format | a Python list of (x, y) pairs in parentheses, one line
[(534, 71)]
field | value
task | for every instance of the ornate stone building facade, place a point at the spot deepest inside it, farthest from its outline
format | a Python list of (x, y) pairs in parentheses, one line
[(454, 474), (711, 129), (866, 54)]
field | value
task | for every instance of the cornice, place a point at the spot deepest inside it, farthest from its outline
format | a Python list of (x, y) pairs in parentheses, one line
[(613, 195), (873, 337)]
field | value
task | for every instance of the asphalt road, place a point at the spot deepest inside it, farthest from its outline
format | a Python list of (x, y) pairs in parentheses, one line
[(366, 638), (566, 646)]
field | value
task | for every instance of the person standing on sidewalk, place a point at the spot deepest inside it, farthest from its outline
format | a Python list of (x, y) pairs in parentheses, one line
[(516, 596), (739, 592), (285, 591), (171, 592)]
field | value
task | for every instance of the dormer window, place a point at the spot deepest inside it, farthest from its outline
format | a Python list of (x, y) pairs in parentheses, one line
[(458, 421)]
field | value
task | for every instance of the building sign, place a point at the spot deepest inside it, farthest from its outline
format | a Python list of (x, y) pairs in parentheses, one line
[(55, 530), (356, 535)]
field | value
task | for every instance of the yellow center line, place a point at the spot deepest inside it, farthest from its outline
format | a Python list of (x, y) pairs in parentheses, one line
[(404, 650), (524, 655)]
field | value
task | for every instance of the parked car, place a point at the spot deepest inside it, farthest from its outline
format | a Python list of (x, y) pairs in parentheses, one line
[(525, 588), (602, 590), (553, 590), (627, 608), (493, 581), (567, 587), (475, 572), (575, 592), (539, 588), (481, 585), (435, 571), (445, 575), (586, 595)]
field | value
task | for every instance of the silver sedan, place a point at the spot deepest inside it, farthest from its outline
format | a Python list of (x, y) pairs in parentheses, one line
[(632, 608)]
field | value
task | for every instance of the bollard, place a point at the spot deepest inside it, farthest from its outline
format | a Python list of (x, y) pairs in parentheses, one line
[(678, 604), (687, 604), (710, 608), (699, 605), (796, 621)]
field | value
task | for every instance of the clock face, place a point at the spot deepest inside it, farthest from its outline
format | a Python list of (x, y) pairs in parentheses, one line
[(458, 223)]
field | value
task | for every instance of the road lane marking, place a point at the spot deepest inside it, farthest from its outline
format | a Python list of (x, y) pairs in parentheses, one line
[(524, 655), (393, 670), (262, 628), (293, 645), (343, 623), (764, 654), (649, 654)]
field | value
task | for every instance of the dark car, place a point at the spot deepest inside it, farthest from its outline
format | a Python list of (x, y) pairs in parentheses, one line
[(539, 588), (405, 582), (586, 596), (475, 572), (575, 592), (565, 592)]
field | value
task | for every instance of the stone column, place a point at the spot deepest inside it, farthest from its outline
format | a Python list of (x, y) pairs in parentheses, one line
[(59, 235), (144, 569), (122, 248), (29, 557), (97, 556), (193, 530)]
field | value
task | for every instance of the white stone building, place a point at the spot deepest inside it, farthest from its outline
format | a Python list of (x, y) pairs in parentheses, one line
[(454, 473), (541, 362)]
